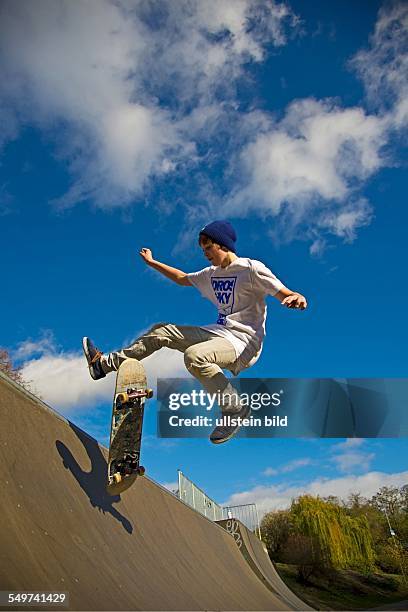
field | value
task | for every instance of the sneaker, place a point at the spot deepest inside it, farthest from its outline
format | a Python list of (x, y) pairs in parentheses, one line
[(93, 357), (222, 433)]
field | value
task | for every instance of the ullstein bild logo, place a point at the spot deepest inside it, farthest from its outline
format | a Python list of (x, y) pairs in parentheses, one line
[(203, 421)]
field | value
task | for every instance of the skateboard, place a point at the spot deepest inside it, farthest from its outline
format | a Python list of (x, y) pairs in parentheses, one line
[(131, 393)]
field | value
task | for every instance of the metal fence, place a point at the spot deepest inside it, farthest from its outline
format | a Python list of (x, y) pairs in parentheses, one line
[(197, 499), (247, 514)]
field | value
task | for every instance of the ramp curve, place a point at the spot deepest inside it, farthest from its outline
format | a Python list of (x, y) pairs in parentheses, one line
[(60, 531), (256, 555)]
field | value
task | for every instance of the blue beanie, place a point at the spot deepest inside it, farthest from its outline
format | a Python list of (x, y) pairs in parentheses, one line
[(222, 233)]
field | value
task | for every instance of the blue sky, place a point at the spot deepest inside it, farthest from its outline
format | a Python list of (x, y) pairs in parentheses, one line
[(133, 124)]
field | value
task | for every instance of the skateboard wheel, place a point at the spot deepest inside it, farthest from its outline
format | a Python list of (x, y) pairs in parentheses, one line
[(117, 477), (141, 470), (121, 398), (149, 393)]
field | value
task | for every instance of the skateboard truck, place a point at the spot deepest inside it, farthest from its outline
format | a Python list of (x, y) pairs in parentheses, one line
[(125, 467), (131, 395), (117, 477)]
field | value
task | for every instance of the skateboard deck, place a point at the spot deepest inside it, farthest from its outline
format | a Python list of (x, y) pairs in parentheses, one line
[(130, 395)]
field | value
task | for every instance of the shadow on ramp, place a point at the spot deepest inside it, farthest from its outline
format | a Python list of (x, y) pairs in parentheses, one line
[(92, 482)]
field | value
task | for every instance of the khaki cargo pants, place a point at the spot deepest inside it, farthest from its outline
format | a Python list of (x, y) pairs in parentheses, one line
[(205, 355)]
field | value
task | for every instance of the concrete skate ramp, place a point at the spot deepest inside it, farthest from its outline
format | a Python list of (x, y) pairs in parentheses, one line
[(144, 550), (256, 555)]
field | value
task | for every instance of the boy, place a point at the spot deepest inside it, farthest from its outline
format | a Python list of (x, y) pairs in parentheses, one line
[(238, 287)]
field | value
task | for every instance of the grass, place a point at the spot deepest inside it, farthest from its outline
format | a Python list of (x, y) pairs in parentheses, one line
[(346, 589)]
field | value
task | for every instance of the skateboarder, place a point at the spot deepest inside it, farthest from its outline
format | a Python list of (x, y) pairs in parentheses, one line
[(237, 286)]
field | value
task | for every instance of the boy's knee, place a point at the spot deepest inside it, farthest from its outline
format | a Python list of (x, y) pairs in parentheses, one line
[(158, 336), (157, 329), (193, 358)]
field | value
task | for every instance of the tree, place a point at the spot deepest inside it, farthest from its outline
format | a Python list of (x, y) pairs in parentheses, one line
[(275, 530), (358, 506), (392, 503), (388, 499), (341, 540), (356, 501), (306, 553), (12, 371), (7, 367), (404, 495)]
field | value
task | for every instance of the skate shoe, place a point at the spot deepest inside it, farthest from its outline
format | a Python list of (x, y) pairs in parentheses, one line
[(223, 433), (93, 357)]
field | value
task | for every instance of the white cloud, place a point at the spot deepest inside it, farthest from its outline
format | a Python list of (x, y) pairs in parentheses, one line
[(347, 444), (29, 348), (350, 456), (343, 221), (383, 66), (295, 464), (279, 497), (203, 45), (112, 81), (318, 246), (128, 90), (308, 169), (60, 378), (347, 462), (270, 471), (305, 168), (63, 382), (288, 467), (67, 63), (165, 363)]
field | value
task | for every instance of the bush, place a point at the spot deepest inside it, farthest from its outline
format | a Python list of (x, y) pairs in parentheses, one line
[(275, 530), (306, 553)]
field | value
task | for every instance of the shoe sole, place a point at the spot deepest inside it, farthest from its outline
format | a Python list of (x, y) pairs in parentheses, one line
[(88, 359), (85, 349), (232, 434), (222, 440)]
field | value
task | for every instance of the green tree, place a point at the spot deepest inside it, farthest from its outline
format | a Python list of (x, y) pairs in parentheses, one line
[(343, 541), (358, 506), (392, 502), (275, 530), (306, 553)]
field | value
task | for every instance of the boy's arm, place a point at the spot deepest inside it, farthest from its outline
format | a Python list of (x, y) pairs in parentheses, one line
[(266, 282), (291, 299), (178, 276)]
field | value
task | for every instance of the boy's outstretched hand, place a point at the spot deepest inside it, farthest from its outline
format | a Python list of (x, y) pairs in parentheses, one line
[(295, 300), (178, 276), (146, 255)]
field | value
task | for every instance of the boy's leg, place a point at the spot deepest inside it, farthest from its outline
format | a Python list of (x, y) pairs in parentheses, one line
[(205, 361), (178, 337)]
